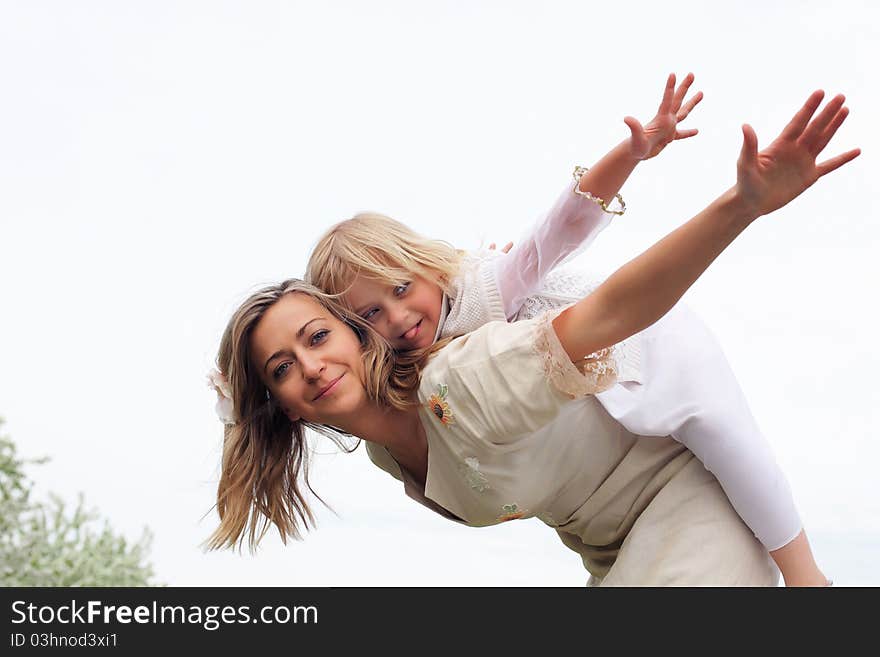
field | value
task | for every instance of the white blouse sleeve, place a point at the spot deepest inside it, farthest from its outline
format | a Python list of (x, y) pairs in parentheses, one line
[(567, 230)]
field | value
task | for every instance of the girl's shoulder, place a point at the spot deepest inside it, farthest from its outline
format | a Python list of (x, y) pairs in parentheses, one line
[(473, 295), (472, 261)]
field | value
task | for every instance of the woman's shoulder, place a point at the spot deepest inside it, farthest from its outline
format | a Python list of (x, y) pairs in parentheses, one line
[(523, 356), (382, 459), (503, 381), (476, 388), (492, 341)]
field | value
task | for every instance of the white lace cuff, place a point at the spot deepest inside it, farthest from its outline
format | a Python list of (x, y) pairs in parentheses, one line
[(595, 373)]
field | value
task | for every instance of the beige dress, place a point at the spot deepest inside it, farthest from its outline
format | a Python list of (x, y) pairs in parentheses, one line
[(513, 433)]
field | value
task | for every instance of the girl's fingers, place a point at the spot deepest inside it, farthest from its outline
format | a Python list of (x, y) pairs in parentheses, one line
[(688, 107), (667, 94), (797, 124), (638, 132), (684, 134), (638, 141), (815, 130), (681, 92), (506, 248), (825, 137), (835, 162)]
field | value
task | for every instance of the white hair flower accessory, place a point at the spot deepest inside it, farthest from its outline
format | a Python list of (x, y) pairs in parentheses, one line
[(225, 408)]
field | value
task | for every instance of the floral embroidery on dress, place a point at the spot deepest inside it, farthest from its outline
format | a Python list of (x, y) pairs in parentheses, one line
[(470, 470), (439, 406), (511, 512)]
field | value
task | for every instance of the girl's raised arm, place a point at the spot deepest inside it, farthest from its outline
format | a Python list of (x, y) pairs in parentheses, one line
[(647, 287), (574, 221)]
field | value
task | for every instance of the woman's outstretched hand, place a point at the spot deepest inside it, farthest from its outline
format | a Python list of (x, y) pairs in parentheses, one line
[(773, 177), (646, 142)]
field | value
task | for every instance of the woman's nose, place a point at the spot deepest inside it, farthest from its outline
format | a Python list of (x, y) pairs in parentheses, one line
[(312, 366)]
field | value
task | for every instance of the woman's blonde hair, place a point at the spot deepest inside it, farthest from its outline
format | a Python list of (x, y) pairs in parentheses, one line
[(265, 455), (379, 248)]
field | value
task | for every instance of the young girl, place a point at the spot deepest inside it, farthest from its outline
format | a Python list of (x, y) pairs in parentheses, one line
[(672, 377)]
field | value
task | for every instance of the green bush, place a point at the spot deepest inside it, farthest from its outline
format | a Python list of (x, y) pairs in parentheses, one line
[(43, 544)]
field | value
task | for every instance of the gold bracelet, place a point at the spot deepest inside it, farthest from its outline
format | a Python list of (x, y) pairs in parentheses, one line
[(578, 173)]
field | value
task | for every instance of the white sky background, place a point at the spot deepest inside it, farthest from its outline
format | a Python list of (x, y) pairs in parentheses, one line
[(159, 160)]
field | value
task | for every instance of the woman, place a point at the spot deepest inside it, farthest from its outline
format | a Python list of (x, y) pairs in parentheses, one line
[(492, 409)]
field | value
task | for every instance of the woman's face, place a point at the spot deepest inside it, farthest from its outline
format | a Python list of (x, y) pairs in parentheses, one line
[(310, 361)]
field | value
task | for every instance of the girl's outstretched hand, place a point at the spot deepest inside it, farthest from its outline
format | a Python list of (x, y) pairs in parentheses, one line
[(646, 142), (769, 179)]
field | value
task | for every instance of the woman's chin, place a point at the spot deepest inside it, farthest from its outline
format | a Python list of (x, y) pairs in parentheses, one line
[(341, 411)]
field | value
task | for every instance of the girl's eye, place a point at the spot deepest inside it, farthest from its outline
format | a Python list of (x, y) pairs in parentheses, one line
[(318, 336), (281, 370), (401, 289), (370, 313)]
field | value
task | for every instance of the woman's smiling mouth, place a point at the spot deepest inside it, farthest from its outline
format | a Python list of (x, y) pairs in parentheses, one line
[(329, 388)]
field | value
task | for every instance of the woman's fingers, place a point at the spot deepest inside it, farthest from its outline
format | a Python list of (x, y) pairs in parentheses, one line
[(684, 134), (748, 155), (836, 162), (825, 137), (814, 132), (800, 120)]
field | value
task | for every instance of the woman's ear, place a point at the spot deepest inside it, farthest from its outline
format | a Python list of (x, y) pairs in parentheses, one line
[(293, 417)]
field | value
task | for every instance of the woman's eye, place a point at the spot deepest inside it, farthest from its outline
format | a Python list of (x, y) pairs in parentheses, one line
[(318, 336), (370, 314), (280, 370), (401, 289)]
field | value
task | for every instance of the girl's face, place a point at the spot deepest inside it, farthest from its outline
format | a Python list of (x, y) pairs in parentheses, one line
[(310, 361), (406, 314)]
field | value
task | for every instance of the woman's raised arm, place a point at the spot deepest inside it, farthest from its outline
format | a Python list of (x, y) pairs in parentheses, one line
[(647, 287)]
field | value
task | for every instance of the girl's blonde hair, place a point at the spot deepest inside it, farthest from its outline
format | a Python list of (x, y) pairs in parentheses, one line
[(379, 248), (265, 455)]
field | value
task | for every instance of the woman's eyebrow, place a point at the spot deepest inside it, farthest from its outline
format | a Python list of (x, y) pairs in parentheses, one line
[(284, 352), (302, 330)]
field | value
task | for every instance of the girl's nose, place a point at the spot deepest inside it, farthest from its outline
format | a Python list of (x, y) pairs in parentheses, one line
[(396, 317)]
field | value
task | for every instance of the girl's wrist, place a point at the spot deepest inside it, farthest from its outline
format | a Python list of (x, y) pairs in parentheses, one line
[(632, 159)]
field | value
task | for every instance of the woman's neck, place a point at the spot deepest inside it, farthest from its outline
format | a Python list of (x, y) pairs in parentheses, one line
[(400, 432), (389, 427)]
